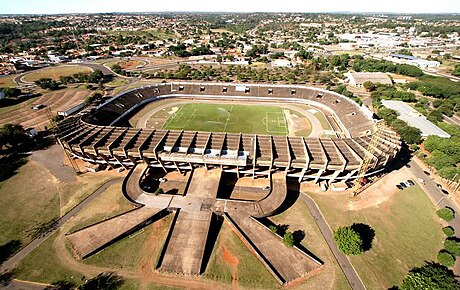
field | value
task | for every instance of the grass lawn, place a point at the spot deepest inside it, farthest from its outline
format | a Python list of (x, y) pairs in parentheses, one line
[(298, 217), (117, 82), (43, 265), (55, 72), (27, 200), (7, 81), (229, 118), (407, 233), (250, 272), (32, 198)]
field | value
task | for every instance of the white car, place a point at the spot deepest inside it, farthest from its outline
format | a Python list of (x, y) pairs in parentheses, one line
[(162, 179)]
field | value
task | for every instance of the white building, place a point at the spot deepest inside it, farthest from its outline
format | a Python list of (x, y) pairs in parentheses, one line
[(412, 60), (358, 79)]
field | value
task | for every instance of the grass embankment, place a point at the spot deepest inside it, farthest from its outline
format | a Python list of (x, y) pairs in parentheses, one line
[(33, 198), (298, 218), (232, 261), (407, 233)]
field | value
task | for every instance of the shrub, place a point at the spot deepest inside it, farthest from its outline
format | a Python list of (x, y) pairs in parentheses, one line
[(273, 228), (158, 191), (288, 239), (449, 231), (348, 241), (446, 213), (446, 259)]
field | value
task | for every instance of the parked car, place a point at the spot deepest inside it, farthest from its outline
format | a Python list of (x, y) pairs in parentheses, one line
[(398, 186), (410, 182), (421, 180), (162, 179), (426, 172), (266, 188), (402, 184), (445, 191), (438, 185)]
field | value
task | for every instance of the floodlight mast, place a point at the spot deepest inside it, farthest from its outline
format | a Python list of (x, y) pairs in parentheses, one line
[(369, 156)]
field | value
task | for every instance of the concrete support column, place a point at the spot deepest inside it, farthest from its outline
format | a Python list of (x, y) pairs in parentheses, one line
[(349, 175), (334, 176), (302, 174), (106, 160), (120, 162), (320, 172)]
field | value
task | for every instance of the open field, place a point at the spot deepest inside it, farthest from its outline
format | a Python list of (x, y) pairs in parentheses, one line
[(7, 81), (56, 101), (55, 72), (43, 265), (33, 198), (407, 233), (228, 118), (298, 218), (232, 262)]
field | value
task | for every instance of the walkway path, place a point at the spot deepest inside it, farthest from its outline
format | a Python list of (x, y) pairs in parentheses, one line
[(350, 272), (11, 263)]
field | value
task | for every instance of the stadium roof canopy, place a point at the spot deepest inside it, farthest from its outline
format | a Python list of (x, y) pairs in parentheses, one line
[(415, 119)]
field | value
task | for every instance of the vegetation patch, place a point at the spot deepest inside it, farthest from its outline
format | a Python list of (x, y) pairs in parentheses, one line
[(406, 234)]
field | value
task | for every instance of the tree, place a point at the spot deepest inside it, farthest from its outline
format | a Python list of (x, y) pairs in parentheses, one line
[(446, 213), (348, 241), (445, 258), (288, 239), (11, 92), (452, 246), (47, 83), (449, 231), (94, 97), (430, 276), (14, 136), (103, 281), (369, 86)]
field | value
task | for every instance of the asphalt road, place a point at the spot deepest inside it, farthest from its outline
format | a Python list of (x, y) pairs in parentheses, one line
[(12, 262), (350, 272), (439, 200)]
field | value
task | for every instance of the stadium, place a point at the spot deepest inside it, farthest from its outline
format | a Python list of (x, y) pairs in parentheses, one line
[(207, 131)]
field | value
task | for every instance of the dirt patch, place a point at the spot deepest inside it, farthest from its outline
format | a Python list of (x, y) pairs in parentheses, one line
[(173, 110), (296, 124), (129, 64), (232, 261)]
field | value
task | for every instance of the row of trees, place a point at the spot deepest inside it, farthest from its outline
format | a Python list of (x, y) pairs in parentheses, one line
[(373, 65), (409, 134), (299, 74), (444, 152), (48, 83)]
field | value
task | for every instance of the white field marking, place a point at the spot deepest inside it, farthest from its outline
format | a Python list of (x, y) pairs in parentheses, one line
[(137, 233), (173, 116), (192, 116), (228, 118), (267, 114)]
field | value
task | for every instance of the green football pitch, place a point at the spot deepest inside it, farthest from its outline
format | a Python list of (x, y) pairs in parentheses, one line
[(229, 118)]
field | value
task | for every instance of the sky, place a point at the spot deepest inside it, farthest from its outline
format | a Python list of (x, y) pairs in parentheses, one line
[(96, 6)]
